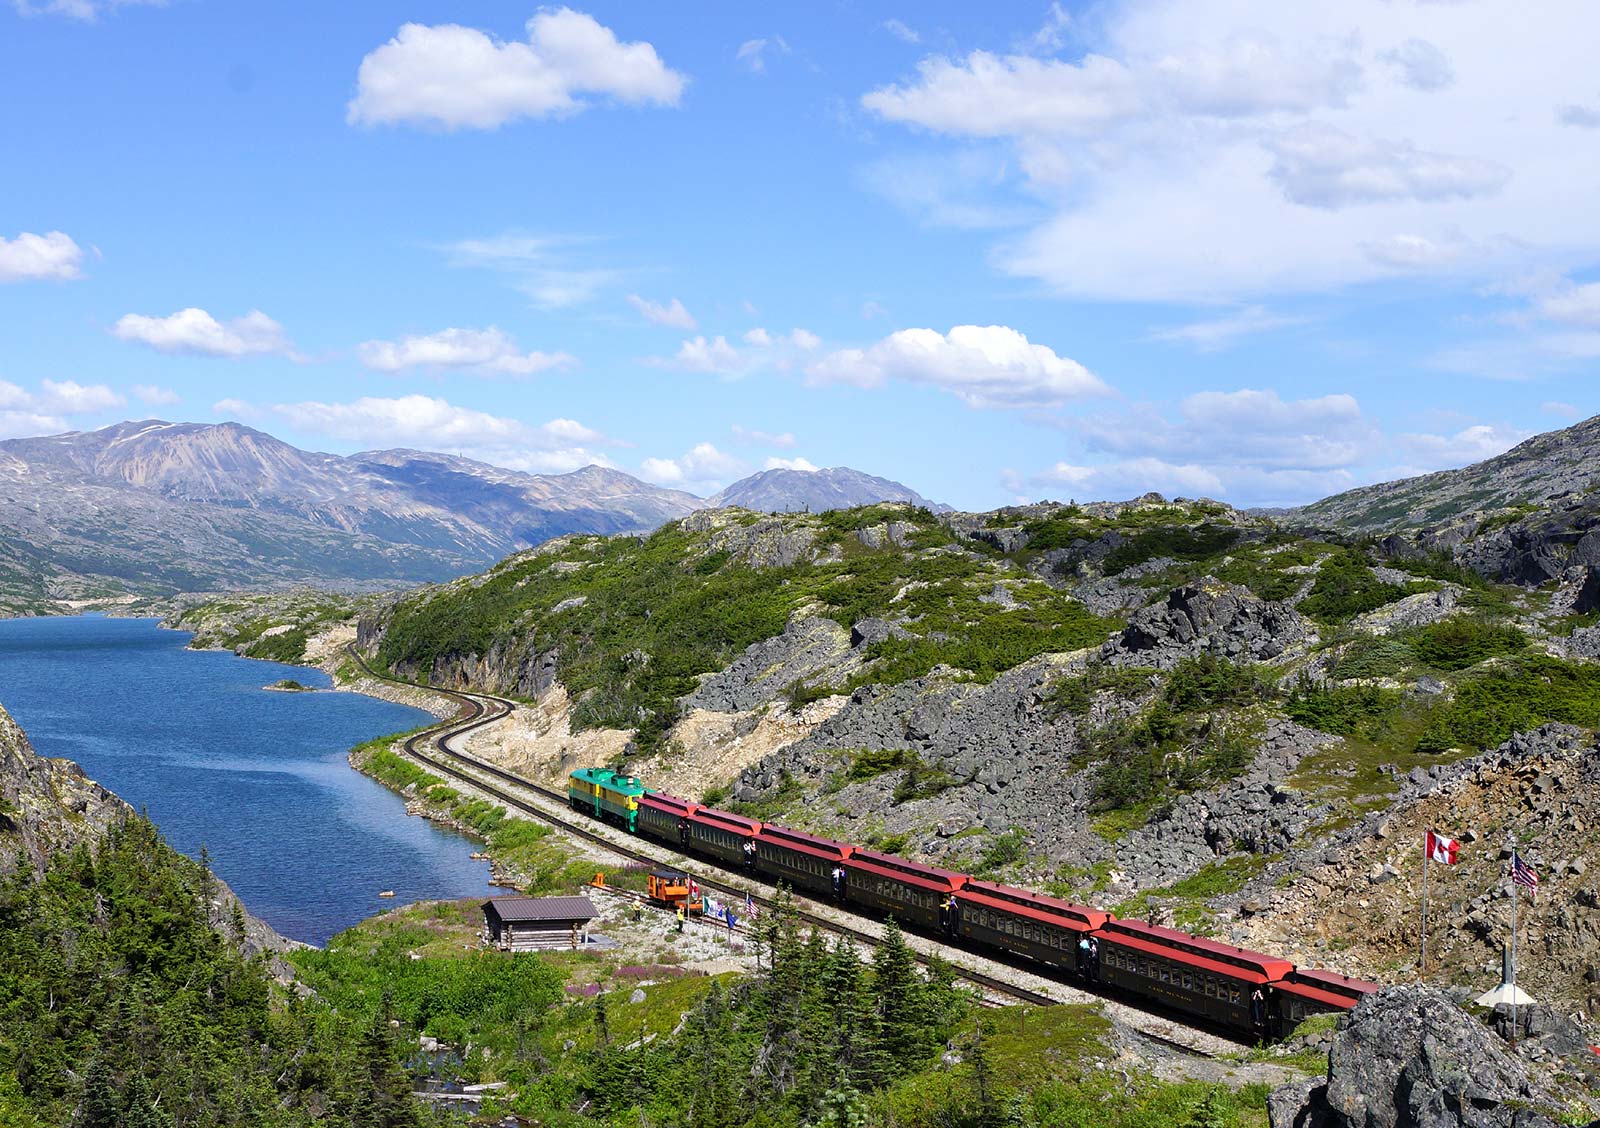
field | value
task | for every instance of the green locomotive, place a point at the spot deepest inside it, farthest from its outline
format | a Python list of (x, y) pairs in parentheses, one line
[(606, 795)]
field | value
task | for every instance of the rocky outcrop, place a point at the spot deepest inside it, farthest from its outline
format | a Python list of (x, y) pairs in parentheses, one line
[(811, 650), (47, 807), (1257, 812), (772, 542), (1209, 616), (1409, 1057)]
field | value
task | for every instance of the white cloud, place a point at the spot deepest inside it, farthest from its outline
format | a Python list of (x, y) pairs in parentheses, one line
[(753, 52), (196, 332), (487, 351), (986, 366), (1244, 428), (433, 423), (1235, 149), (700, 354), (51, 256), (45, 411), (232, 408), (537, 265), (1572, 305), (1119, 480), (68, 397), (1322, 167), (1420, 65), (784, 440), (672, 313), (763, 349), (901, 32), (1580, 117), (1218, 333), (1469, 445), (787, 464), (85, 10), (1562, 410), (155, 395), (702, 467), (460, 77)]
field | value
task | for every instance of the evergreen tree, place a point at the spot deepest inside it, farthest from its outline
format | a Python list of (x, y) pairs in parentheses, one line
[(899, 997), (985, 1103), (101, 1106)]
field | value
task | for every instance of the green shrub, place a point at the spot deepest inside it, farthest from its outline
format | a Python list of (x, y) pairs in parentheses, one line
[(869, 763), (1455, 644), (1515, 697), (1180, 542), (1074, 696), (1346, 587), (1369, 656), (1353, 710)]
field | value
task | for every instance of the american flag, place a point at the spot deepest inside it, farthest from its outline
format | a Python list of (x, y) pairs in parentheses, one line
[(1522, 873)]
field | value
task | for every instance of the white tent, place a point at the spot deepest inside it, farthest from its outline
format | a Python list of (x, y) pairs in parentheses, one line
[(1507, 993)]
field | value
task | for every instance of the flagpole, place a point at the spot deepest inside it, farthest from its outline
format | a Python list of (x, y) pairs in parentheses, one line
[(1422, 960), (1513, 949)]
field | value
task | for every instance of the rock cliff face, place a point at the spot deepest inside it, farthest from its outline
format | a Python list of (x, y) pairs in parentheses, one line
[(49, 807), (1411, 1058)]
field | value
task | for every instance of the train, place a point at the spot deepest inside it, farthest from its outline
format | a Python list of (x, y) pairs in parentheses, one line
[(1250, 994)]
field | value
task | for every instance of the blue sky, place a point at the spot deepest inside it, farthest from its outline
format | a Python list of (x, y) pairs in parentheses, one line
[(999, 252)]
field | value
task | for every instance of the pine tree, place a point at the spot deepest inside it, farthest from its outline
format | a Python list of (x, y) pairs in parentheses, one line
[(898, 989), (101, 1106), (985, 1103)]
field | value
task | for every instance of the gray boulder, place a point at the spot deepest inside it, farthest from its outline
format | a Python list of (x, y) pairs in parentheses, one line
[(1408, 1057), (1208, 615)]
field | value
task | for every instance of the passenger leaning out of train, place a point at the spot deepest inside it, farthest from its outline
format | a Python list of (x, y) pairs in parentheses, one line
[(838, 881), (1083, 956), (1258, 1007), (1094, 957), (947, 912), (750, 852)]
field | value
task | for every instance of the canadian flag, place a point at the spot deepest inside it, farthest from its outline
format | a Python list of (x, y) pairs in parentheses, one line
[(1441, 849)]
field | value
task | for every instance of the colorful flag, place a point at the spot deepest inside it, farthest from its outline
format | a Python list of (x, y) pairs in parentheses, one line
[(1440, 849), (1522, 873), (749, 906)]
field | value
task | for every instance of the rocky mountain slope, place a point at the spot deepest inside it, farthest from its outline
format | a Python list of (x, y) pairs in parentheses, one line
[(1170, 708), (161, 507), (814, 491), (1555, 465)]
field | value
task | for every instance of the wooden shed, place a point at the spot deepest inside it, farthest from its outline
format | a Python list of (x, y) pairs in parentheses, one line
[(526, 924)]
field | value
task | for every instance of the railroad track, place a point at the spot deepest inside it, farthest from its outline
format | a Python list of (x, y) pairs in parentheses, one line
[(478, 710)]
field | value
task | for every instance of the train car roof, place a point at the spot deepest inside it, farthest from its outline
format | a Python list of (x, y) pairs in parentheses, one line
[(1036, 906), (1332, 981), (1316, 994), (915, 873), (813, 844), (1258, 967), (669, 803), (727, 820)]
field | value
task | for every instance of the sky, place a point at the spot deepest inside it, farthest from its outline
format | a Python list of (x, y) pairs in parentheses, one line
[(1242, 249)]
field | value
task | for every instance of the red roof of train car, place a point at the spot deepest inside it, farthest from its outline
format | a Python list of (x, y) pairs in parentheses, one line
[(661, 801), (1326, 986), (725, 820), (813, 844), (913, 873), (1035, 906), (1257, 967)]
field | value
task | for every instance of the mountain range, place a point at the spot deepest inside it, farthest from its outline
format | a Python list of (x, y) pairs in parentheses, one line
[(152, 507)]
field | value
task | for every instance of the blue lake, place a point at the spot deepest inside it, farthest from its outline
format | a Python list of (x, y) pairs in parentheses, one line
[(258, 777)]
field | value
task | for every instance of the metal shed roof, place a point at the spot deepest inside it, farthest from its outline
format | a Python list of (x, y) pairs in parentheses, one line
[(523, 909)]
